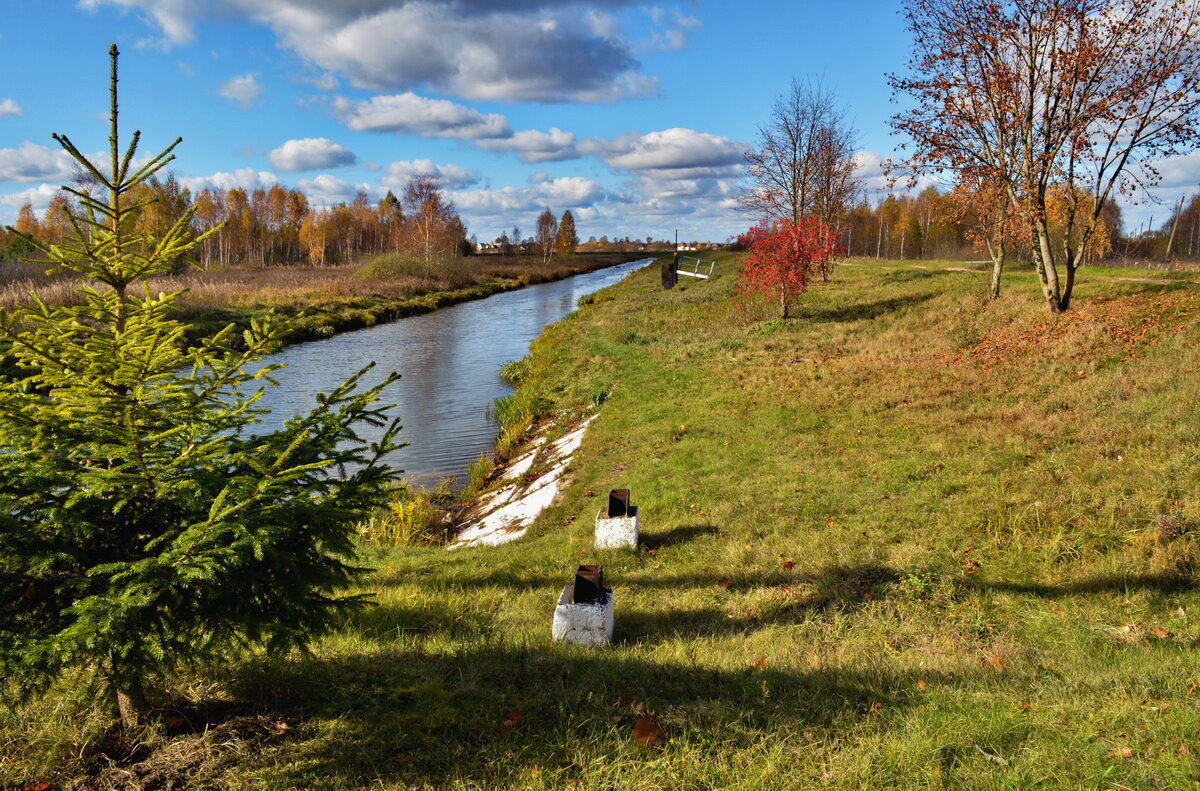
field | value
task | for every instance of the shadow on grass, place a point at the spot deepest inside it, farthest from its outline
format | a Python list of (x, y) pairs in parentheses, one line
[(867, 310), (421, 717), (1117, 583), (676, 536)]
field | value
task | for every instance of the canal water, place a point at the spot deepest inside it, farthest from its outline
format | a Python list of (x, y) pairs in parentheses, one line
[(449, 362)]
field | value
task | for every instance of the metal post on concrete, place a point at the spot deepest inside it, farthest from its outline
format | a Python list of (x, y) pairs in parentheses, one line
[(584, 613), (617, 524)]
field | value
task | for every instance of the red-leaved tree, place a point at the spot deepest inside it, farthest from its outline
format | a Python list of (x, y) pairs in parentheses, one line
[(784, 259)]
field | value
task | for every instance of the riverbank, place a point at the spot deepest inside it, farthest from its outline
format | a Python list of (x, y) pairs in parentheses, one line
[(358, 297), (908, 539)]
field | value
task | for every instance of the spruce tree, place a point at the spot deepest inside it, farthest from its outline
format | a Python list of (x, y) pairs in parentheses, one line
[(144, 525), (567, 239)]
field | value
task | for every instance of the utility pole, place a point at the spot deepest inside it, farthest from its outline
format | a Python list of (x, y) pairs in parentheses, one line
[(1174, 225)]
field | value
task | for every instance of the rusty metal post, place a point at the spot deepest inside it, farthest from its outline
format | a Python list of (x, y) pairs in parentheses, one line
[(670, 269)]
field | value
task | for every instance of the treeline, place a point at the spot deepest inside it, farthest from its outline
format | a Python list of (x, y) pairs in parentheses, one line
[(278, 226), (948, 225)]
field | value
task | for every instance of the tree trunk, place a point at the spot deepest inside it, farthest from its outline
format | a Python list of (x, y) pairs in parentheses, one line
[(1043, 255), (997, 253)]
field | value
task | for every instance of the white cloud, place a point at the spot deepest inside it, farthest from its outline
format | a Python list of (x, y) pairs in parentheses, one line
[(243, 178), (679, 149), (567, 192), (242, 90), (409, 114), (327, 190), (33, 162), (673, 28), (310, 153), (534, 146), (39, 197), (449, 177), (552, 50), (9, 107)]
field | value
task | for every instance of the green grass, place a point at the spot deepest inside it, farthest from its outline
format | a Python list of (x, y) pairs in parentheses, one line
[(908, 539)]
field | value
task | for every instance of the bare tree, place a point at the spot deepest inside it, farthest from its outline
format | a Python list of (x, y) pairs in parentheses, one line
[(547, 231), (1050, 98), (805, 160)]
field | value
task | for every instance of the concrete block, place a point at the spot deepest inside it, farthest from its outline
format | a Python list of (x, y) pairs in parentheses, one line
[(617, 532), (583, 624)]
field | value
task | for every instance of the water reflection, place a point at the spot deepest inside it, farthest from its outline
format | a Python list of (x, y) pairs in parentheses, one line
[(448, 361)]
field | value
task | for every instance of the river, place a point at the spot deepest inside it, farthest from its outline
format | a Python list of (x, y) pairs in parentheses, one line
[(449, 362)]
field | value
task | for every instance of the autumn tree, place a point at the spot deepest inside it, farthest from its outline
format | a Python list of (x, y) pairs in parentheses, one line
[(435, 232), (567, 239), (147, 521), (992, 223), (1029, 94), (803, 165), (783, 260), (547, 231)]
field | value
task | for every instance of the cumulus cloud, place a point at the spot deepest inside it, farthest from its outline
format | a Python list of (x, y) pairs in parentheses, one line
[(567, 192), (679, 151), (243, 178), (553, 50), (9, 107), (410, 114), (327, 190), (533, 146), (243, 90), (32, 162), (39, 197), (449, 177), (310, 153)]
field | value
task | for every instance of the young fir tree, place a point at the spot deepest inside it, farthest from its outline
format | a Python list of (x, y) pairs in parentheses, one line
[(567, 239), (144, 527)]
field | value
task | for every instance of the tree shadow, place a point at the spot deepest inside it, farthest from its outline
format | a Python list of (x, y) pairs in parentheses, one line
[(470, 717), (1115, 583), (866, 310), (676, 536)]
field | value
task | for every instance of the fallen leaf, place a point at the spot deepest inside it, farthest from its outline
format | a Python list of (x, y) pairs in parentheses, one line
[(1024, 706), (1160, 632), (1123, 752), (921, 683), (760, 663), (511, 721), (38, 786), (995, 661), (280, 726), (876, 707), (1185, 750), (724, 583), (789, 564), (647, 732)]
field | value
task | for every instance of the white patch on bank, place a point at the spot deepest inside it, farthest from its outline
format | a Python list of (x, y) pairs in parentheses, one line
[(505, 514)]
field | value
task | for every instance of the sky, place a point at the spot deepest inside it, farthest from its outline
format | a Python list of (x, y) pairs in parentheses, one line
[(633, 115)]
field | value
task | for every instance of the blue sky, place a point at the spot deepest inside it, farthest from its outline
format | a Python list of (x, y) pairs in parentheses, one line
[(633, 115)]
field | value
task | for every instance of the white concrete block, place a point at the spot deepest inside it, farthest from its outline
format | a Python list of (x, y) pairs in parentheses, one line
[(582, 624), (617, 532)]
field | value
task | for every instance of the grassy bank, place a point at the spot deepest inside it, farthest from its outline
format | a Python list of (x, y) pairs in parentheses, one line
[(323, 301), (908, 539)]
